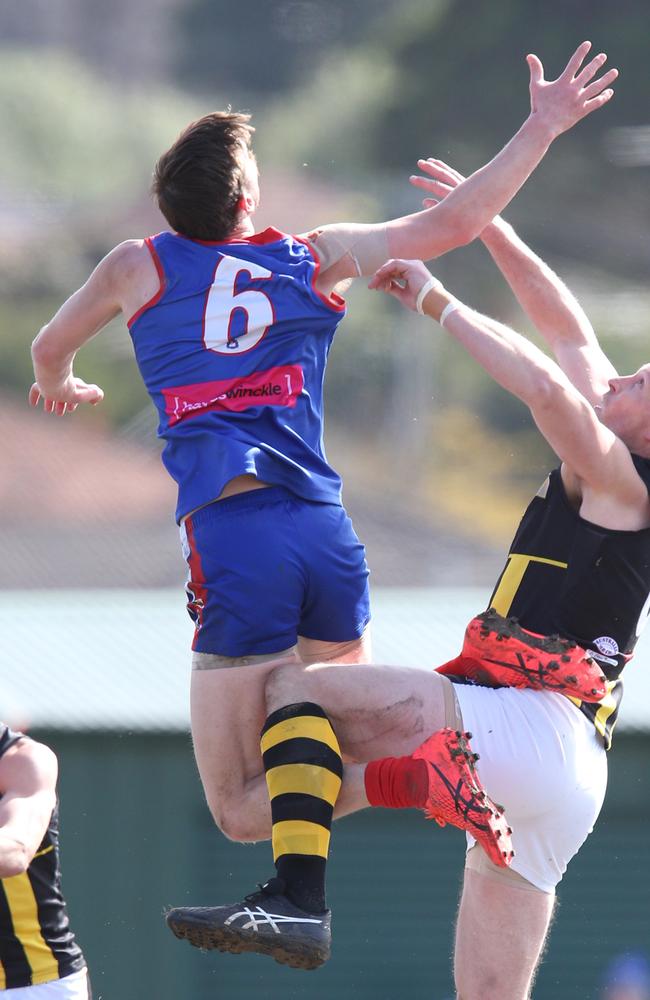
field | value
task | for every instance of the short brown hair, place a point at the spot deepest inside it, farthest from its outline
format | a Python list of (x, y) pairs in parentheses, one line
[(198, 181)]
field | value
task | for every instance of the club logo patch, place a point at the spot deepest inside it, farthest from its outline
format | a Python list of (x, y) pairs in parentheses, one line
[(606, 645)]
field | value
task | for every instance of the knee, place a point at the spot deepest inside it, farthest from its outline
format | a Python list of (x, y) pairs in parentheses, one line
[(238, 824)]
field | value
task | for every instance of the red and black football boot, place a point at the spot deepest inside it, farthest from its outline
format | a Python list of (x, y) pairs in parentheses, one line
[(456, 795), (498, 652)]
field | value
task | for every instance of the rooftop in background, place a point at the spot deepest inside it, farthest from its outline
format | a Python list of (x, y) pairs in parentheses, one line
[(83, 507), (119, 659)]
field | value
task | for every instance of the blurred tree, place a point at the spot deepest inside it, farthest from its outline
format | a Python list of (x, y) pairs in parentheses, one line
[(74, 178), (68, 134), (125, 41), (463, 70), (258, 48), (351, 92)]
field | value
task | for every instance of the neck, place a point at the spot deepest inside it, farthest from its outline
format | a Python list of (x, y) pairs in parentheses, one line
[(243, 227), (636, 445)]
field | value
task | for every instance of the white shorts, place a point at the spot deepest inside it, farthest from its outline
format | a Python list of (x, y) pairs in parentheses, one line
[(543, 761), (72, 987)]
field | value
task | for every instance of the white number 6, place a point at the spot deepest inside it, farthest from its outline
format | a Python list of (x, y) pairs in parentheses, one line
[(223, 302)]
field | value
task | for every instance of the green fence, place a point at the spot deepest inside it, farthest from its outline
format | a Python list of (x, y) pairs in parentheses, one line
[(137, 837)]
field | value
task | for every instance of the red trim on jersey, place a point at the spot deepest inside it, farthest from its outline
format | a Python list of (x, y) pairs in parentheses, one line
[(196, 582), (333, 300), (161, 277), (270, 235), (280, 386)]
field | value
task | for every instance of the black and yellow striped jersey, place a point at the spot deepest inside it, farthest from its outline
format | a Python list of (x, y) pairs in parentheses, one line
[(36, 943), (567, 576)]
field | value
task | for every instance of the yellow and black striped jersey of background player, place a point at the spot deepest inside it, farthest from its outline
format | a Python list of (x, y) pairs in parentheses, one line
[(590, 584), (36, 942)]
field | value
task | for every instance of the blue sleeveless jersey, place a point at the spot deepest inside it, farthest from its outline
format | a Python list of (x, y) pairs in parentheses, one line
[(233, 350)]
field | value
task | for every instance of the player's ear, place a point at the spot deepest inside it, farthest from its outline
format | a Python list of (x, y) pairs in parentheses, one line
[(247, 203)]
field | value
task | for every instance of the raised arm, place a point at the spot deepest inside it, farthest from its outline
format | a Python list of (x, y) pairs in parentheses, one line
[(551, 306), (121, 282), (555, 107), (591, 451), (28, 773)]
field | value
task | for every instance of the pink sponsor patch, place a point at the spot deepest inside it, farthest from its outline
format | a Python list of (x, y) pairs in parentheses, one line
[(275, 387)]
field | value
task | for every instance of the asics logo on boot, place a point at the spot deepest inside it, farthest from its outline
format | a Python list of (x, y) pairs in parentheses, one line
[(259, 918)]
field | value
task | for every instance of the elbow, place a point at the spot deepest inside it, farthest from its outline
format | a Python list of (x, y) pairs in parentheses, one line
[(545, 392)]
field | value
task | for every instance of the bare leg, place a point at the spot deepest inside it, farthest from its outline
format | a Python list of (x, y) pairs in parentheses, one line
[(375, 711), (228, 707), (499, 938), (228, 712)]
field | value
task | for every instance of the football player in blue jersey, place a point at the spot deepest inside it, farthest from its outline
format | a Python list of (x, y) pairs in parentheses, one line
[(231, 331)]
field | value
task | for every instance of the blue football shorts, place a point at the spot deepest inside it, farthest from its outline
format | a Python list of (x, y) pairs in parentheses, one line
[(267, 566)]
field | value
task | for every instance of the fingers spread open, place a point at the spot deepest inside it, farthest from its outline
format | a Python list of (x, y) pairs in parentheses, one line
[(576, 60), (536, 69), (431, 185), (589, 71), (597, 102), (598, 85)]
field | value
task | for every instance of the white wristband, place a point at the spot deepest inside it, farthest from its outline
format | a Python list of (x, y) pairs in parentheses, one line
[(424, 291), (449, 308)]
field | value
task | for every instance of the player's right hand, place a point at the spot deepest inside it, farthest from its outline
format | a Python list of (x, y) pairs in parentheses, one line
[(67, 397), (559, 104)]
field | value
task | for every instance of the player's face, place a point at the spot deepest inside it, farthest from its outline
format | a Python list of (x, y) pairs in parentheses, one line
[(625, 408)]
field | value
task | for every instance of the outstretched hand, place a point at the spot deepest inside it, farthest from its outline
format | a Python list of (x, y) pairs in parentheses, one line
[(560, 103), (67, 397), (574, 95)]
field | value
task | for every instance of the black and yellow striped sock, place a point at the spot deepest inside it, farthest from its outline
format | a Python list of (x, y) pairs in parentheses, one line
[(303, 766)]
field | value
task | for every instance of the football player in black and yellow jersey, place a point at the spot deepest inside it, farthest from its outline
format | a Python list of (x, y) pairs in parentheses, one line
[(577, 578), (39, 957), (569, 604)]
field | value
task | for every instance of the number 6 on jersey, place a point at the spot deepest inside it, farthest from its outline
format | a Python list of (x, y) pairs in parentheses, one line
[(235, 322)]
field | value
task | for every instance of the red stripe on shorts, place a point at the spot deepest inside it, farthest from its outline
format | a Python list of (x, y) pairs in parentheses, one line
[(196, 585)]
